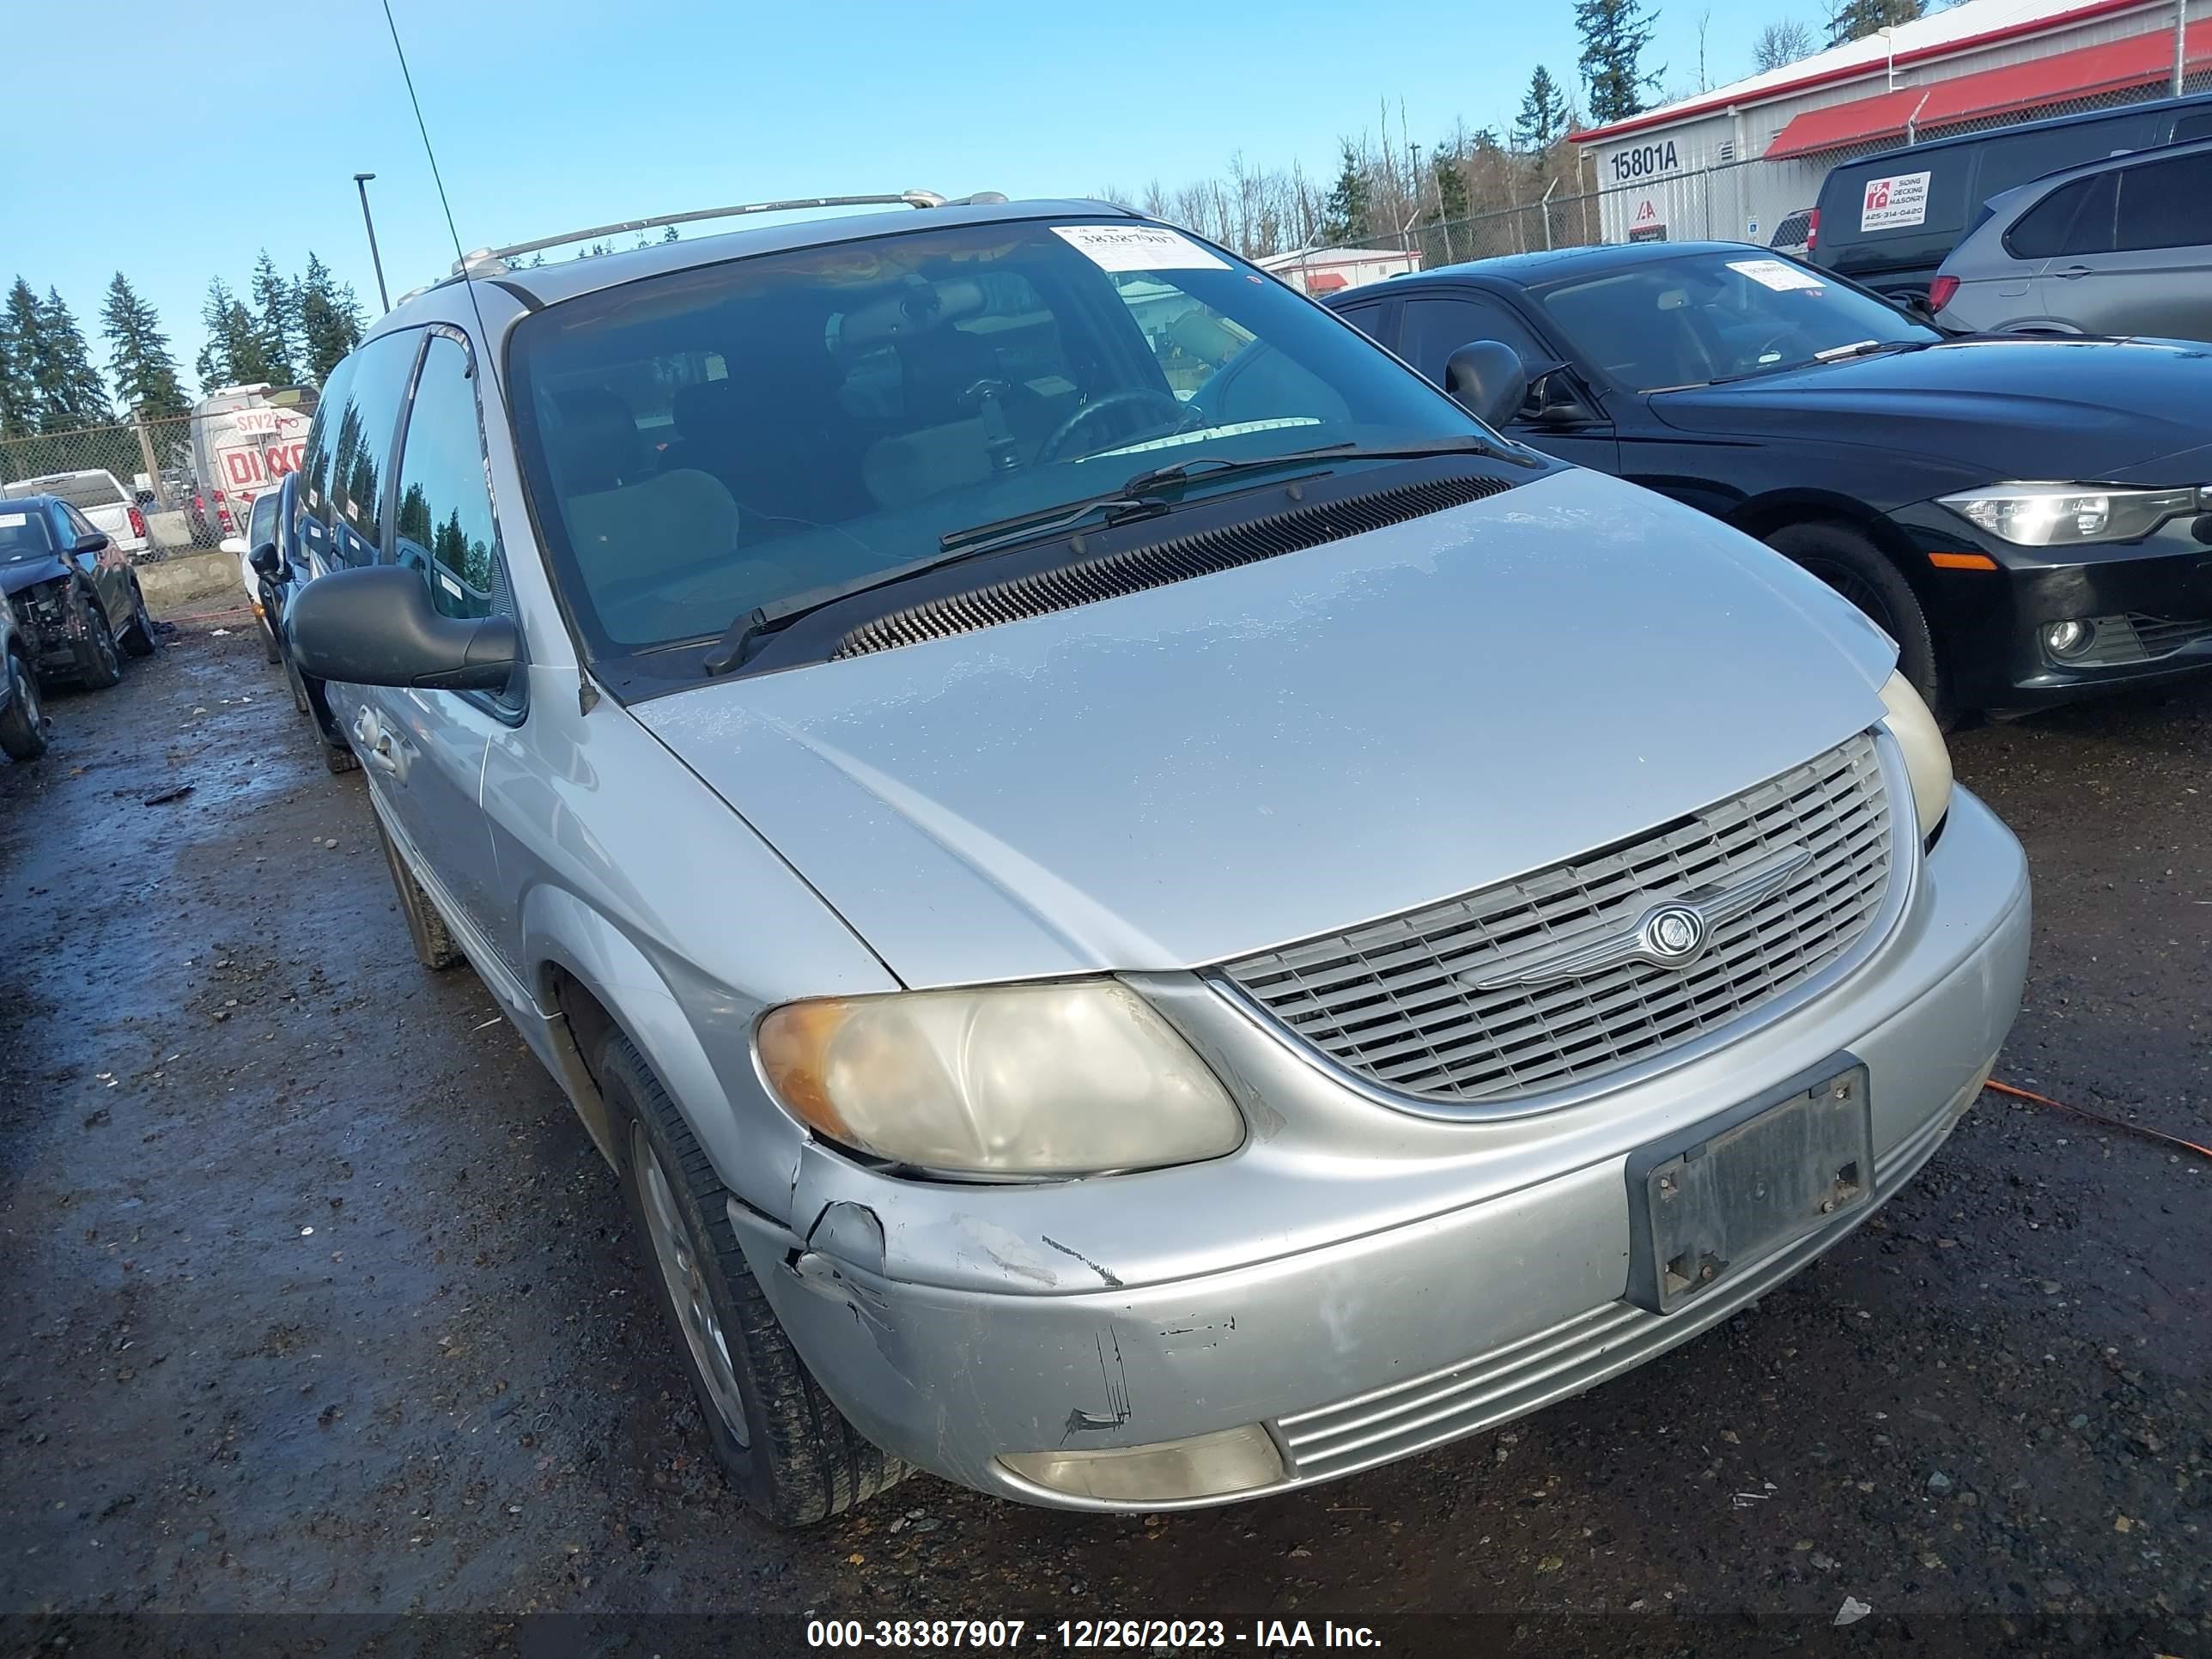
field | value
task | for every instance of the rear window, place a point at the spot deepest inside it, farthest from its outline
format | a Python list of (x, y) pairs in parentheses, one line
[(81, 489), (24, 534)]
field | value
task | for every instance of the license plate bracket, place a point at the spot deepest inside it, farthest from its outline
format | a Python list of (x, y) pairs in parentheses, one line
[(1730, 1190)]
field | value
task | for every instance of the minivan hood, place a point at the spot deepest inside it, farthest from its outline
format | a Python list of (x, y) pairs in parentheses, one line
[(2006, 408), (1243, 759)]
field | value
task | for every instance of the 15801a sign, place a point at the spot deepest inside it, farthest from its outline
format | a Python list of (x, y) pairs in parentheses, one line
[(1644, 162)]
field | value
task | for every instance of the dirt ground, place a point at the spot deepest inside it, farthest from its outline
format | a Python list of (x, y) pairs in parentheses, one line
[(317, 1299)]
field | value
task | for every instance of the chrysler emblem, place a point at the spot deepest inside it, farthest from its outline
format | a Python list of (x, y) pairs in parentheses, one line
[(1672, 932)]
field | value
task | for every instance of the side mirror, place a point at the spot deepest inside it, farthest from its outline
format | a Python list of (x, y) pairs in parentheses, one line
[(1557, 402), (234, 545), (266, 562), (1487, 380), (375, 626), (94, 543)]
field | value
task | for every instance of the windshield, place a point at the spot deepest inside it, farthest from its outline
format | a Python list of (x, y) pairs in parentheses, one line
[(718, 439), (1719, 316), (262, 527), (22, 534)]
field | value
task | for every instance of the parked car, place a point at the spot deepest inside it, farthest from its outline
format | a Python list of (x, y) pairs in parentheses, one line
[(1130, 950), (1890, 220), (96, 493), (22, 716), (74, 596), (2121, 247), (1912, 474), (1794, 235), (282, 565), (260, 531)]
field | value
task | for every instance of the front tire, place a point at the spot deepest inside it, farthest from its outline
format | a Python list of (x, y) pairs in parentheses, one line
[(1856, 568), (785, 1446), (23, 727)]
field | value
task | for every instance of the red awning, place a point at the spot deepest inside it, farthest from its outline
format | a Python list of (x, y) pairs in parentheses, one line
[(2086, 72), (1883, 116), (1324, 281)]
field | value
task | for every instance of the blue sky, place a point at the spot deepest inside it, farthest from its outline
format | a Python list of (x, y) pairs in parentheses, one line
[(244, 125)]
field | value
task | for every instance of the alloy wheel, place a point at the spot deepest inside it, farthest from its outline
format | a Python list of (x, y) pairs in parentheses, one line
[(677, 1256)]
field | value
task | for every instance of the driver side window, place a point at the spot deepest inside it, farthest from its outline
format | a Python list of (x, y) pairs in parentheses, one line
[(1188, 339)]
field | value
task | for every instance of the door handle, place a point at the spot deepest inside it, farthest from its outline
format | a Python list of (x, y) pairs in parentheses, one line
[(2072, 271), (376, 742)]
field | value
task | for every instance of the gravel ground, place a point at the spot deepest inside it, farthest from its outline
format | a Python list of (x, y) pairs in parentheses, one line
[(319, 1300)]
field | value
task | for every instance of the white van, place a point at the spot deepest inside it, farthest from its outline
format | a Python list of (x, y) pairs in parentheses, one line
[(245, 439)]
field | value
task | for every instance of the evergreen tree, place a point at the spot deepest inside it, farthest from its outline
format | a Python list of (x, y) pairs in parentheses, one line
[(1452, 199), (330, 321), (1854, 19), (1615, 33), (249, 349), (1345, 214), (1543, 119), (144, 370), (18, 336), (70, 392), (236, 353), (275, 320)]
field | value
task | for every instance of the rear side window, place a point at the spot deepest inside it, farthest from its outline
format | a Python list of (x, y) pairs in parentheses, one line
[(1790, 233), (361, 447), (2195, 124), (2074, 219), (315, 458), (2166, 205)]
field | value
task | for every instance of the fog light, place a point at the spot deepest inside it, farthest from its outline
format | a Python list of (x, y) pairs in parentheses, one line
[(1200, 1466), (2069, 638)]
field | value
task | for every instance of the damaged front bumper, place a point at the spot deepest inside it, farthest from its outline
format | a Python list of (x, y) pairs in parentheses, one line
[(1357, 1283)]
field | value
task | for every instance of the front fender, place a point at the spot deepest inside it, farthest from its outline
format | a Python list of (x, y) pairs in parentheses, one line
[(752, 1144)]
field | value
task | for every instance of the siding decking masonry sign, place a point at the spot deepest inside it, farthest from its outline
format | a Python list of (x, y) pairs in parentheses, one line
[(1894, 202)]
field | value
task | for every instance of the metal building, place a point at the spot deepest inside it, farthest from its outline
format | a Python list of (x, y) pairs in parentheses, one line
[(1735, 162)]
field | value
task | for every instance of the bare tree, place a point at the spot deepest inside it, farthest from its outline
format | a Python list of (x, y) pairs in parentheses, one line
[(1781, 43)]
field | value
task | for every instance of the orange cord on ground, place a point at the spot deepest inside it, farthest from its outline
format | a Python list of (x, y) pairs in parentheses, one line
[(2099, 1117)]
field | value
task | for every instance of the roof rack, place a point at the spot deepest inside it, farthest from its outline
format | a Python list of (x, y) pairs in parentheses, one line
[(487, 261)]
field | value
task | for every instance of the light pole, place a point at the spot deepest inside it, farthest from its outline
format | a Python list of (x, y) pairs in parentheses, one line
[(360, 182)]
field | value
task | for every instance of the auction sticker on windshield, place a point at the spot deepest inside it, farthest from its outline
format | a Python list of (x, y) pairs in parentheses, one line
[(1138, 247), (1773, 273), (1893, 202)]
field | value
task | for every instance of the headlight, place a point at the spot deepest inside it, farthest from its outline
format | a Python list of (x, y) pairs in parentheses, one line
[(2064, 515), (1065, 1079), (1927, 759)]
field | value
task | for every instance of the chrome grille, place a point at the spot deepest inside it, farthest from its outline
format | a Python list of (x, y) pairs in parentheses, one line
[(1402, 1001)]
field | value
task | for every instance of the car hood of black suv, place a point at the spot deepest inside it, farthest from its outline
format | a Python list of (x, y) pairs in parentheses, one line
[(2011, 407)]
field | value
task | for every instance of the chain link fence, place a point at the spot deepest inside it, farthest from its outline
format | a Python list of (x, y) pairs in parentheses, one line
[(151, 463), (1755, 199)]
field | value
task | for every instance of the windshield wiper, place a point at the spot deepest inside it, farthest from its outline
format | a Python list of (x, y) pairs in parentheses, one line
[(1139, 491), (1136, 495)]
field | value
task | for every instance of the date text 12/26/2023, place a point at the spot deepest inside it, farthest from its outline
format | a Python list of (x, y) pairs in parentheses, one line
[(1139, 1635)]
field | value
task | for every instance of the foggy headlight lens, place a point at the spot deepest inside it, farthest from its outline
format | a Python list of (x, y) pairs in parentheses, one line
[(1926, 758), (1066, 1078), (2062, 514)]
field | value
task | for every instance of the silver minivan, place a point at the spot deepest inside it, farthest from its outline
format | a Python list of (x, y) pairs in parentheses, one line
[(2123, 245), (1148, 911)]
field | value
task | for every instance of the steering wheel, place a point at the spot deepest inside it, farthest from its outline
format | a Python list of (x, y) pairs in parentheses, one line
[(1050, 449)]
